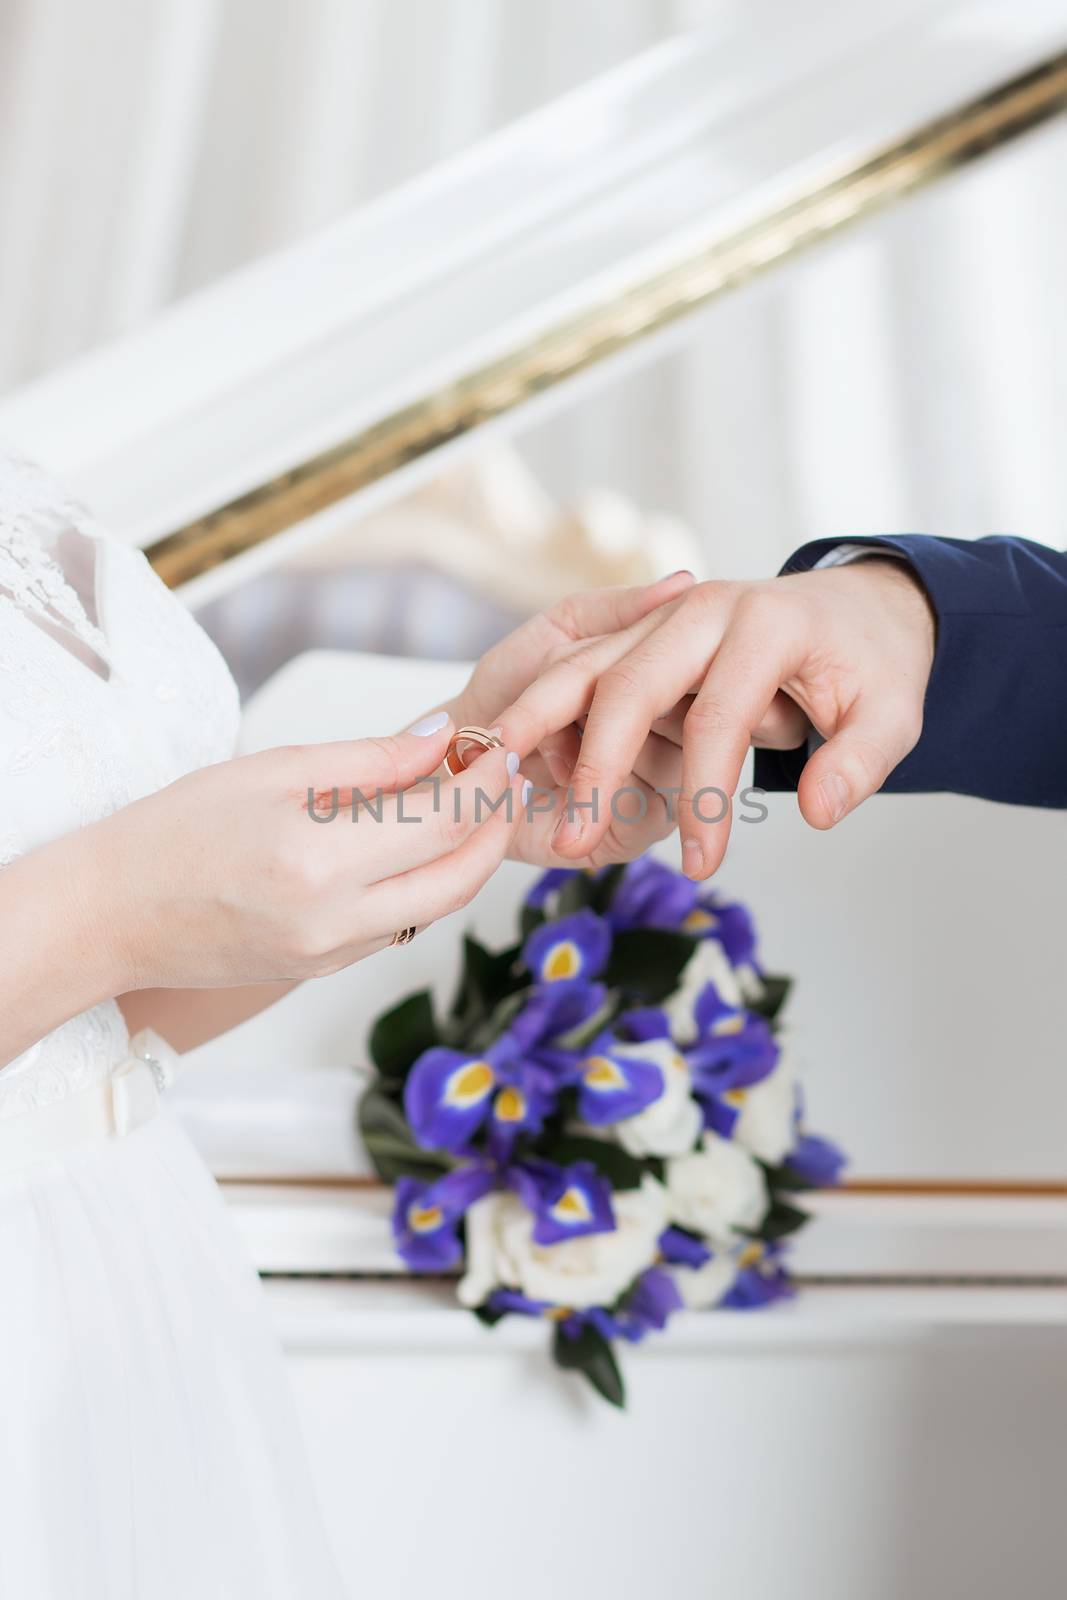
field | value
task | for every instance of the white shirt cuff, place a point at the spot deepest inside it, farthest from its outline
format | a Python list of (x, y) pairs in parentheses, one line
[(842, 554)]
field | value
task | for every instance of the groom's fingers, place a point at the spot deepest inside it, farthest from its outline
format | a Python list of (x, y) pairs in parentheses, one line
[(599, 611), (875, 734), (741, 683), (628, 700), (783, 725), (563, 691)]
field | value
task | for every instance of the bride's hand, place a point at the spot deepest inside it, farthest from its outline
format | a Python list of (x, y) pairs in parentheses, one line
[(231, 875)]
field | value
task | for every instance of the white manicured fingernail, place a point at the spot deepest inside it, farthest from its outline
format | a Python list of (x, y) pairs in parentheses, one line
[(527, 789), (512, 763), (428, 725), (834, 792)]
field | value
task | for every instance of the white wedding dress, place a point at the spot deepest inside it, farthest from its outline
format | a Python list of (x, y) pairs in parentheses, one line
[(148, 1445)]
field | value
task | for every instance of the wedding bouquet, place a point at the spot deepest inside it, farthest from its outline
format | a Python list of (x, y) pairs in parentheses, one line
[(606, 1126)]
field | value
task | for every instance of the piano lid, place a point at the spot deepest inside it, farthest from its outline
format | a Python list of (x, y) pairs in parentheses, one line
[(243, 421)]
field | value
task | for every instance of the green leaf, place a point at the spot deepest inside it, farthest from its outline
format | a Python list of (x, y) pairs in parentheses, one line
[(773, 998), (781, 1220), (489, 1316), (647, 963), (622, 1170), (784, 1177), (481, 1036), (487, 977), (400, 1036), (591, 1354), (576, 894), (604, 887), (530, 917), (389, 1141)]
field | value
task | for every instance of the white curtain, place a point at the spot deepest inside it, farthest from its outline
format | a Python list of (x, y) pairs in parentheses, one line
[(910, 376)]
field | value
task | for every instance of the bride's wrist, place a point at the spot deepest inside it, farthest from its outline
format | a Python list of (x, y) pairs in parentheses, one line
[(60, 942), (118, 905)]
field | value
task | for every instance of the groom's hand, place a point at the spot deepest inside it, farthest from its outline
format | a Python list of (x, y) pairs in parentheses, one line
[(846, 651), (516, 660)]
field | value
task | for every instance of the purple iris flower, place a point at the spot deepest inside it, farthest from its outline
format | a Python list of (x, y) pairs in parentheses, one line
[(651, 1302), (552, 1010), (568, 949), (651, 895), (426, 1217), (449, 1093), (761, 1280), (733, 1050), (647, 1308), (566, 1202), (645, 1022), (649, 1305), (546, 885), (511, 1086), (732, 925), (613, 1086), (521, 1304), (817, 1161), (682, 1249)]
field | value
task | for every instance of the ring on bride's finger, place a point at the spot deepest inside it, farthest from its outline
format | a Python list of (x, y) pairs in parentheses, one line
[(466, 745), (403, 936)]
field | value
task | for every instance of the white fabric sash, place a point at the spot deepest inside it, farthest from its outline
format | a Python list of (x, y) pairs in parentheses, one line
[(111, 1109)]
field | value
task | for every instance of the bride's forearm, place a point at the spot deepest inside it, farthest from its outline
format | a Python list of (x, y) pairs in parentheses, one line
[(190, 1017), (61, 950)]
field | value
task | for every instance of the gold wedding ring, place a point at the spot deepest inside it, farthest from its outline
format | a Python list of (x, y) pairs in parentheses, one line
[(403, 936), (466, 745)]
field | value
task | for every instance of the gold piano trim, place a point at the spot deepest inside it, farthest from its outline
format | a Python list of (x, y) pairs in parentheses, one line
[(722, 262)]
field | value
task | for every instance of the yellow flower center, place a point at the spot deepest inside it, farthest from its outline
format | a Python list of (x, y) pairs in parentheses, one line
[(750, 1254), (699, 920), (425, 1219), (510, 1106), (562, 961), (469, 1084), (735, 1097), (602, 1073), (728, 1025), (572, 1206)]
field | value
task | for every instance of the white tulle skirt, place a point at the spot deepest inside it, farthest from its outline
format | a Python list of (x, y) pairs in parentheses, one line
[(149, 1449)]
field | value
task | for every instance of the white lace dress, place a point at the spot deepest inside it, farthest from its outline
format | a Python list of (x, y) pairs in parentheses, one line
[(148, 1447)]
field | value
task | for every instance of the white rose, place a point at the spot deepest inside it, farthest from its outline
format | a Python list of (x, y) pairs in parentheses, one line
[(707, 964), (590, 1271), (483, 1273), (701, 1287), (718, 1191), (766, 1122), (671, 1124)]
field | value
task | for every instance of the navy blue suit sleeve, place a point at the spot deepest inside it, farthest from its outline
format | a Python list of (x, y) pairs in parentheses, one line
[(995, 717)]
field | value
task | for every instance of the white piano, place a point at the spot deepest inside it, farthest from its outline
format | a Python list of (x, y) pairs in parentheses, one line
[(901, 1430)]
